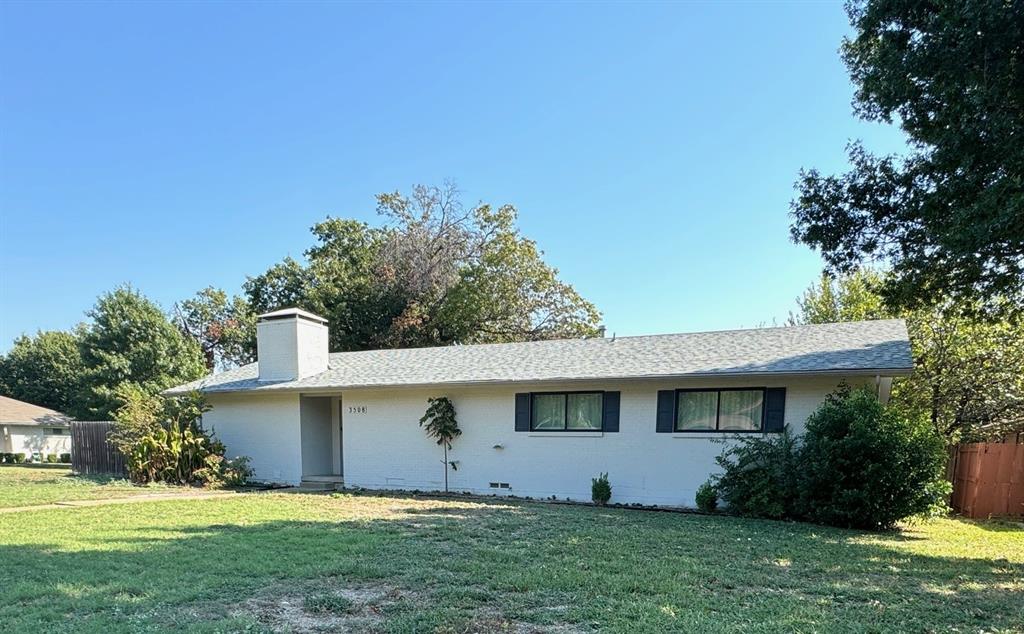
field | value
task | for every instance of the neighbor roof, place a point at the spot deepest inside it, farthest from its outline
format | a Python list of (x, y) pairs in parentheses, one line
[(863, 347), (15, 412)]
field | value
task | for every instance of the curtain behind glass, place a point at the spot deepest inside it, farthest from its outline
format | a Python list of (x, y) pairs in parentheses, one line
[(584, 411), (697, 410), (548, 411), (741, 410)]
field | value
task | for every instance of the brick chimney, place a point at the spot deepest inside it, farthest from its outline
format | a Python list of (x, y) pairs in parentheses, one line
[(291, 344)]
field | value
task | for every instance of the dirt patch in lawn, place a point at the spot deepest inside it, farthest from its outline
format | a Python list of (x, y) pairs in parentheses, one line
[(366, 608), (327, 609)]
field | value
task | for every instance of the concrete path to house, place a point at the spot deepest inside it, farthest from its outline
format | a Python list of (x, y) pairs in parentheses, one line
[(149, 497)]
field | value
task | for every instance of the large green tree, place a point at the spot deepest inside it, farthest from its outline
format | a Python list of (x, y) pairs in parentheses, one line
[(224, 328), (948, 217), (45, 370), (433, 273), (131, 344), (968, 371)]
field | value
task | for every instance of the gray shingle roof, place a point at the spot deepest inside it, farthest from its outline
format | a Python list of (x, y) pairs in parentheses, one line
[(854, 348)]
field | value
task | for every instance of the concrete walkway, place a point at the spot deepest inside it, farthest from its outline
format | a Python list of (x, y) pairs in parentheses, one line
[(148, 497)]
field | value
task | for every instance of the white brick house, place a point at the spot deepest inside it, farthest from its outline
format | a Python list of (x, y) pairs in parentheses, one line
[(32, 430), (539, 419)]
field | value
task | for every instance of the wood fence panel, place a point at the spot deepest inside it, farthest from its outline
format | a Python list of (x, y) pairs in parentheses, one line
[(90, 452), (988, 479)]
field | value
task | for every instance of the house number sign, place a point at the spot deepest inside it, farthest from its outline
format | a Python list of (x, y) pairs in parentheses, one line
[(357, 409)]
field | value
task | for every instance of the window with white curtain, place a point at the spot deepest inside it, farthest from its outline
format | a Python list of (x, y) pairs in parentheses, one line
[(567, 411), (719, 410)]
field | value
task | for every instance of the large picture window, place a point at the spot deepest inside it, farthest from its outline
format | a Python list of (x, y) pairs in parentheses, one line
[(719, 410), (567, 411)]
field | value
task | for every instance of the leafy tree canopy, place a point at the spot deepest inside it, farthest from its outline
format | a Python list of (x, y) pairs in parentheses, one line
[(969, 372), (948, 217), (434, 273), (44, 370), (131, 343), (851, 297), (224, 328)]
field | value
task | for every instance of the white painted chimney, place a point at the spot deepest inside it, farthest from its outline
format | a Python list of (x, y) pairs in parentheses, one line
[(291, 344)]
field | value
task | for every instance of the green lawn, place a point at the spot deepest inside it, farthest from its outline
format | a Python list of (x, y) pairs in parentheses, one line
[(295, 562), (29, 486)]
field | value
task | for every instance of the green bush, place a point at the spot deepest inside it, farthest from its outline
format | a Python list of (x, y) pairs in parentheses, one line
[(222, 472), (162, 441), (65, 458), (6, 458), (19, 458), (51, 458), (600, 489), (760, 476), (707, 497), (867, 466), (858, 465)]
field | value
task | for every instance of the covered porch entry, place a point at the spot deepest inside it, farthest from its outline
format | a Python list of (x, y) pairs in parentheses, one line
[(321, 428)]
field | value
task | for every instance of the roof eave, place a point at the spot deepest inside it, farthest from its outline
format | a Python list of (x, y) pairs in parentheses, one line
[(308, 389)]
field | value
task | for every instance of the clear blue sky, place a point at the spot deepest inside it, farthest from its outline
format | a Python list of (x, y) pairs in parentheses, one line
[(651, 149)]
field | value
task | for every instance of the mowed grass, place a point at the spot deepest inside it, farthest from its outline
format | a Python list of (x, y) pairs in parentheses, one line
[(29, 486), (297, 562)]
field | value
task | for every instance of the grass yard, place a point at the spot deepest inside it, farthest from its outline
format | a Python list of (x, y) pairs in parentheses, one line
[(297, 562), (29, 486)]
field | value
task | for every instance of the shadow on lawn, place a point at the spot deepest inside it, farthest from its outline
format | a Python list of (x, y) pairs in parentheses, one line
[(463, 564)]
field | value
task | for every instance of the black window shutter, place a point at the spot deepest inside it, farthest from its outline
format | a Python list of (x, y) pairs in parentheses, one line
[(523, 412), (610, 418), (774, 409), (666, 411)]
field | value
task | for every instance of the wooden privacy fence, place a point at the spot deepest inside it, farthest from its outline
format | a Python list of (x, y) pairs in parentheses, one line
[(90, 451), (988, 479)]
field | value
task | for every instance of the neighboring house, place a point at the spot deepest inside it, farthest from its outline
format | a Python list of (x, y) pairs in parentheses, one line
[(540, 418), (29, 429)]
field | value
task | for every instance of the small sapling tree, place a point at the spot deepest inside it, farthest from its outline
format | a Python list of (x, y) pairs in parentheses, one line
[(440, 424)]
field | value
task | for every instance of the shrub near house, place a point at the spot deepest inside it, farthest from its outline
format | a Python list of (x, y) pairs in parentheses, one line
[(162, 441), (860, 465)]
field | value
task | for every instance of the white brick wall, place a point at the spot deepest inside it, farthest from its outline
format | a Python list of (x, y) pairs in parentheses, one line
[(385, 447), (265, 427)]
